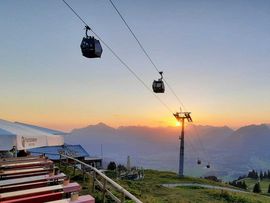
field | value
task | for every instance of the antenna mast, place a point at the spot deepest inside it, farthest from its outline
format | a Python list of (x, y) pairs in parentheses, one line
[(180, 117)]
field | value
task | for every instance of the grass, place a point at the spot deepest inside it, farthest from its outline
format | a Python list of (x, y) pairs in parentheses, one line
[(251, 182), (150, 190), (224, 196)]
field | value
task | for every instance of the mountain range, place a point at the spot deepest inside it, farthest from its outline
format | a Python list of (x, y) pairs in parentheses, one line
[(229, 152)]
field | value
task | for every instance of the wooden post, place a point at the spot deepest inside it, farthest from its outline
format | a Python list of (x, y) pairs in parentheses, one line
[(83, 169), (104, 191), (60, 161), (90, 179), (123, 197), (74, 169), (93, 183), (66, 164)]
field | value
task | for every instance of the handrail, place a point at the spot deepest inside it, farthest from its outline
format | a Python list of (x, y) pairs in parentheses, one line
[(116, 185)]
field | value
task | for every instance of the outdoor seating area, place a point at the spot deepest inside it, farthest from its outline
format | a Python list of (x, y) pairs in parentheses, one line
[(35, 179)]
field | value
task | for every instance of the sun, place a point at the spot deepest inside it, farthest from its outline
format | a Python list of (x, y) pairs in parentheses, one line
[(177, 123)]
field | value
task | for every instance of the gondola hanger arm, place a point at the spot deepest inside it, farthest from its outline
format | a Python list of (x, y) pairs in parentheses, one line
[(86, 29)]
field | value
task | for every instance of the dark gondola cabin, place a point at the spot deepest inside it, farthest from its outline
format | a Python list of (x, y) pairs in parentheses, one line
[(158, 85), (91, 47), (208, 166), (199, 162)]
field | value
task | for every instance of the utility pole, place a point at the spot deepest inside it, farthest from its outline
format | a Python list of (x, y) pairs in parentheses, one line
[(180, 117)]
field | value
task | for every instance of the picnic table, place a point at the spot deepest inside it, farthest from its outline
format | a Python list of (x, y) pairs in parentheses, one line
[(15, 181), (25, 164), (16, 173), (71, 187), (25, 158), (37, 198), (81, 199), (29, 184), (12, 188), (31, 180)]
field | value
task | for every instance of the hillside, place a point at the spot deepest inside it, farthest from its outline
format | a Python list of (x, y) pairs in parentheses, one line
[(264, 183), (150, 190), (250, 143)]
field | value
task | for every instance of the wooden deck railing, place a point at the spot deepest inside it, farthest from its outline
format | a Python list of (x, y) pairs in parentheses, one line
[(107, 186)]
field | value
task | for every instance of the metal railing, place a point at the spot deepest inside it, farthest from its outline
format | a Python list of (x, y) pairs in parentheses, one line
[(100, 180)]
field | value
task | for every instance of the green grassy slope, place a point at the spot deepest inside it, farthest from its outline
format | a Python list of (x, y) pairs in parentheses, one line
[(149, 190), (251, 182)]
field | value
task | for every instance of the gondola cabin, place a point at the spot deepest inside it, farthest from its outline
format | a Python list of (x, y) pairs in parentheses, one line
[(208, 166), (199, 162), (158, 85), (90, 47)]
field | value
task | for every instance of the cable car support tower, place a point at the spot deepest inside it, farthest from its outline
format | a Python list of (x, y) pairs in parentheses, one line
[(180, 117)]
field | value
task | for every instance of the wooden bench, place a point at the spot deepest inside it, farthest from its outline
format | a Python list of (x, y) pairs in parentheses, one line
[(30, 179), (25, 158), (44, 172), (81, 199), (71, 187), (37, 198), (32, 184), (25, 164), (16, 173), (24, 186)]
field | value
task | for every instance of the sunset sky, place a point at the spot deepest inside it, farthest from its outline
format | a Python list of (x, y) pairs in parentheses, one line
[(215, 54)]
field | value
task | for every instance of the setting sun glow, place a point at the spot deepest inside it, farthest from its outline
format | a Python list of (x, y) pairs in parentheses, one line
[(55, 86)]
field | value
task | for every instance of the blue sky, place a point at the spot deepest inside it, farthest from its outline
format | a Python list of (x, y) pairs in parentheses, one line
[(215, 55)]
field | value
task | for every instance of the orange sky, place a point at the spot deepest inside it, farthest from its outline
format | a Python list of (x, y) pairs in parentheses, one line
[(67, 123), (216, 59)]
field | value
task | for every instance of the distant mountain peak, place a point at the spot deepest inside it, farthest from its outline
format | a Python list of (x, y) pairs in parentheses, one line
[(253, 126), (98, 128), (101, 124), (267, 124), (253, 130)]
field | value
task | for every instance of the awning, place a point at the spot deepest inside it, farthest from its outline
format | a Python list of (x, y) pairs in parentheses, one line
[(23, 137)]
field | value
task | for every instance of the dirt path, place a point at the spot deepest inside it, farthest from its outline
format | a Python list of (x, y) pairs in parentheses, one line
[(172, 185)]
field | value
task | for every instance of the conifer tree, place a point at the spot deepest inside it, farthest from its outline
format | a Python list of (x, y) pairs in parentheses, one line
[(265, 174), (111, 166), (244, 185), (257, 188), (256, 175), (253, 174), (261, 175), (249, 174)]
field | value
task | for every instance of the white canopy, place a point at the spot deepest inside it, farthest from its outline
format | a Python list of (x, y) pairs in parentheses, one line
[(23, 137)]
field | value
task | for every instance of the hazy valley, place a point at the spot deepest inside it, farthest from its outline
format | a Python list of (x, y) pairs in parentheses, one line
[(230, 152)]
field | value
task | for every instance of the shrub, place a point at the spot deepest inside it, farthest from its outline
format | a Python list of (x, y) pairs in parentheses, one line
[(111, 166)]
